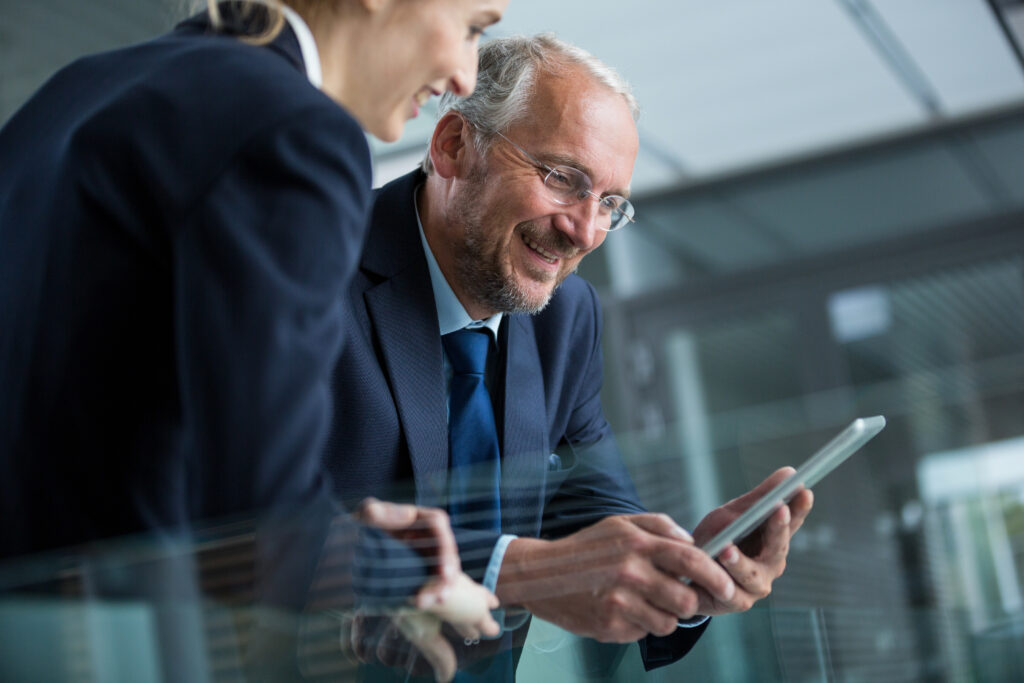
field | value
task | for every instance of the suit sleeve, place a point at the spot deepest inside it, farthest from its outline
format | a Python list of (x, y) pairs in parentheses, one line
[(260, 264), (596, 482), (598, 485)]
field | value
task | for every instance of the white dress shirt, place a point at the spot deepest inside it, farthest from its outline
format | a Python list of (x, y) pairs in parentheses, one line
[(310, 56)]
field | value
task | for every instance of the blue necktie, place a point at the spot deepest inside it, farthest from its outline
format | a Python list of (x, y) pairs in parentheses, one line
[(474, 499), (474, 495)]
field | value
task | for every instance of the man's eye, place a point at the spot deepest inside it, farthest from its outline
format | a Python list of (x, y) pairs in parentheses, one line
[(611, 202), (560, 180)]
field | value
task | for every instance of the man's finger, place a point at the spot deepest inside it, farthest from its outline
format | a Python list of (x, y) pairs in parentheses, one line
[(756, 493), (661, 525), (753, 578), (637, 617), (646, 591), (775, 537), (690, 562), (800, 507)]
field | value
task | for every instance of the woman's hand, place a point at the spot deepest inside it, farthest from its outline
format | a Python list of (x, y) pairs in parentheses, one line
[(450, 596)]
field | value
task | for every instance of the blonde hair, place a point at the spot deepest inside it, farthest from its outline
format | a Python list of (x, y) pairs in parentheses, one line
[(265, 30)]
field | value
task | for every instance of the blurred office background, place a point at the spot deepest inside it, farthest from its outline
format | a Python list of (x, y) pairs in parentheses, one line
[(830, 203)]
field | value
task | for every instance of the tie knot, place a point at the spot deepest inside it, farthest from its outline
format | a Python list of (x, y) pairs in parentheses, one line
[(467, 351)]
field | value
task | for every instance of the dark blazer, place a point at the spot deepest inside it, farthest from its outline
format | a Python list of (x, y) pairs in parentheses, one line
[(561, 469), (178, 220)]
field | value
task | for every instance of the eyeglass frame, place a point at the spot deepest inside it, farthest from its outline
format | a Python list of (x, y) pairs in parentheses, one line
[(598, 198)]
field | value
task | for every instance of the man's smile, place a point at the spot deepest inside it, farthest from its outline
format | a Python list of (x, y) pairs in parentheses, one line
[(544, 253)]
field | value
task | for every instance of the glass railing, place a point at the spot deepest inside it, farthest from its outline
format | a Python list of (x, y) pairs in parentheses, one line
[(57, 638), (769, 644)]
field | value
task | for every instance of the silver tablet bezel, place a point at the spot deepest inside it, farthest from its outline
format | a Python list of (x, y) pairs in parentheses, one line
[(831, 455)]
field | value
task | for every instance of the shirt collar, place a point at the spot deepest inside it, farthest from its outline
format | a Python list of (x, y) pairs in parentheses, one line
[(451, 315), (310, 56)]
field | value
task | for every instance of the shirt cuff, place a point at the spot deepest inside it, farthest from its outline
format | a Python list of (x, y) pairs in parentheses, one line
[(508, 620), (692, 622), (497, 557)]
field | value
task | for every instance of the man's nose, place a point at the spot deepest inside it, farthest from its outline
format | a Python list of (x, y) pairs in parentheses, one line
[(582, 223)]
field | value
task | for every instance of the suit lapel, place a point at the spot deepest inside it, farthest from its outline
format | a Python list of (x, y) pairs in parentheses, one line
[(524, 438), (404, 319)]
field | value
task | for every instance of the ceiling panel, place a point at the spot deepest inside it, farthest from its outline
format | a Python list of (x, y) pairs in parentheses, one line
[(961, 50), (735, 84), (875, 197), (729, 84)]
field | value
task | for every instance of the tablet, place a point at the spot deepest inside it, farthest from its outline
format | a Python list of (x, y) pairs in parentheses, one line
[(845, 444)]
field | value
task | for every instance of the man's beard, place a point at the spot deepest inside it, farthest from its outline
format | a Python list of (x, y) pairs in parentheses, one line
[(478, 263)]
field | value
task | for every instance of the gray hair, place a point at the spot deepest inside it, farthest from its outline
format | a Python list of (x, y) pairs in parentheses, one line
[(506, 78)]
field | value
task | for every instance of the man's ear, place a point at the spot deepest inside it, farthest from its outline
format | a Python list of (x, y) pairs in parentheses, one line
[(450, 145)]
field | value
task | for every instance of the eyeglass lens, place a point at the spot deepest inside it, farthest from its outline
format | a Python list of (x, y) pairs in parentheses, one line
[(570, 185)]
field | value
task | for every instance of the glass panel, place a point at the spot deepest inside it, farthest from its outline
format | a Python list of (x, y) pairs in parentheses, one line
[(911, 565)]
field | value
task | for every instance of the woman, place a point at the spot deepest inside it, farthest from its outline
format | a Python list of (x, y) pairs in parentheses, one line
[(177, 222)]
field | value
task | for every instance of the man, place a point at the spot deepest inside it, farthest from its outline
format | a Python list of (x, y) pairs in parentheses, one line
[(521, 181)]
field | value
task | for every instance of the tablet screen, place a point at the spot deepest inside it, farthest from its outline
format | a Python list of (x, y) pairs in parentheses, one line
[(845, 444)]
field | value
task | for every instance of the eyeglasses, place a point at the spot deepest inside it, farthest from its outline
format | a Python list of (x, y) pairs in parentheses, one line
[(567, 186)]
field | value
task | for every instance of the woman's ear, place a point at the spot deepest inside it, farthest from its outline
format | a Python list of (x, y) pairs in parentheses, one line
[(373, 5), (450, 145)]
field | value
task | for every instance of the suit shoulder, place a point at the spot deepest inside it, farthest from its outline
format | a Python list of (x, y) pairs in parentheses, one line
[(224, 77), (186, 107), (213, 87), (575, 293), (574, 309)]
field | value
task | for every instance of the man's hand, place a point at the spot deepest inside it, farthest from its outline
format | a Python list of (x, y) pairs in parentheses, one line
[(615, 581), (449, 597), (761, 557)]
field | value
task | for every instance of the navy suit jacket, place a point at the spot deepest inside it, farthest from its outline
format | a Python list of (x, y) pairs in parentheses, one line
[(178, 220), (390, 436)]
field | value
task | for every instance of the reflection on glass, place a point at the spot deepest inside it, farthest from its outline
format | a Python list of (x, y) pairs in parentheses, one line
[(910, 566)]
